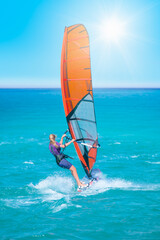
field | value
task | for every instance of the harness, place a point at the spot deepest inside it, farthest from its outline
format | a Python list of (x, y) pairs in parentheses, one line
[(60, 156)]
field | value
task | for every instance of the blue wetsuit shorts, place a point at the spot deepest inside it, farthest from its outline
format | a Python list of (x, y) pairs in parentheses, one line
[(65, 164)]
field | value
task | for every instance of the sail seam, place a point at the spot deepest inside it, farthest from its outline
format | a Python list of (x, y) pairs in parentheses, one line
[(74, 28), (74, 39), (82, 119)]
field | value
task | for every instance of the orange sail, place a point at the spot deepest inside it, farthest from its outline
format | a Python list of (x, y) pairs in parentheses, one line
[(76, 86)]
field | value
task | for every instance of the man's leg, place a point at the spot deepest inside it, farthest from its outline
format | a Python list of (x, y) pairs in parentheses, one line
[(75, 175)]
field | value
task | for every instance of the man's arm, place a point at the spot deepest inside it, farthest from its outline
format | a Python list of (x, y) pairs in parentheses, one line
[(61, 142), (67, 144)]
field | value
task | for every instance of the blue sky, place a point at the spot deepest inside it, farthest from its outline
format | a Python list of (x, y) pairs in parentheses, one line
[(31, 34)]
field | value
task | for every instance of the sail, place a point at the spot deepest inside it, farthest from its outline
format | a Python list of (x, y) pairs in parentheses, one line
[(76, 86)]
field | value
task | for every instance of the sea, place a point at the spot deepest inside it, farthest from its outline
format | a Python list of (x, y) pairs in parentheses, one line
[(39, 200)]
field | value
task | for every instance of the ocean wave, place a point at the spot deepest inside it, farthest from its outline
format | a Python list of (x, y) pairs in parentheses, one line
[(64, 206), (60, 191), (21, 140), (130, 186), (5, 143), (59, 187), (20, 202), (29, 162), (153, 162), (54, 187), (32, 140), (106, 184), (113, 143), (135, 156), (59, 208)]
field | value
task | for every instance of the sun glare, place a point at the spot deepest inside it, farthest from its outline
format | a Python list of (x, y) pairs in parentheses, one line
[(112, 30)]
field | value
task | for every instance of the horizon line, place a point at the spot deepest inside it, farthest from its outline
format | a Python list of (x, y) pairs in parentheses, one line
[(92, 87)]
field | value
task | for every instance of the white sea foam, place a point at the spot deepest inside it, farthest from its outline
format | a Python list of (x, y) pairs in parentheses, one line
[(60, 190), (64, 206), (57, 189), (106, 184), (20, 202), (5, 143), (63, 184), (59, 208), (54, 187), (135, 156), (153, 162), (30, 162), (117, 143)]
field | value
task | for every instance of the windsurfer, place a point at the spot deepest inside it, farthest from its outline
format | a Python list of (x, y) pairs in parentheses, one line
[(55, 149)]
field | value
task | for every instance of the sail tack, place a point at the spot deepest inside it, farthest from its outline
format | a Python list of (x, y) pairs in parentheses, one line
[(76, 85)]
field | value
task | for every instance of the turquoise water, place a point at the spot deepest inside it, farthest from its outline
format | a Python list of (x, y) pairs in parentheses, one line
[(38, 200)]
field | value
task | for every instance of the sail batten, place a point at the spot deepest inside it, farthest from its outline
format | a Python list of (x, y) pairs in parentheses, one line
[(76, 85)]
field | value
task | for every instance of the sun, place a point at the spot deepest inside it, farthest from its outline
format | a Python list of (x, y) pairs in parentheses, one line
[(113, 30)]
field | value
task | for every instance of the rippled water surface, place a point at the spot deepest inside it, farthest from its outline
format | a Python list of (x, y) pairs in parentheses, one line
[(39, 200)]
